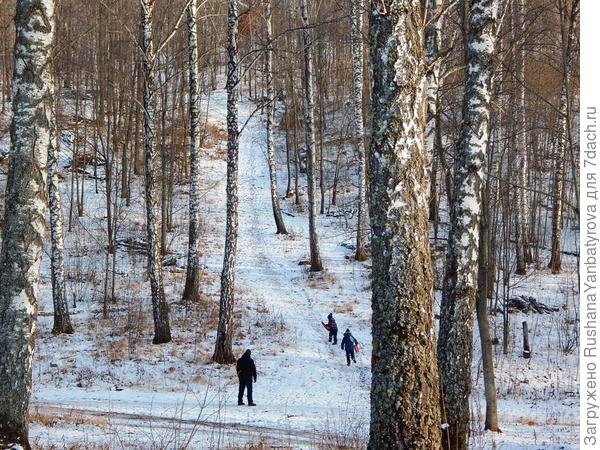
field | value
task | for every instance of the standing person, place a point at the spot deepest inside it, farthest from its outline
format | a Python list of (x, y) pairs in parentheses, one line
[(246, 371), (348, 344), (331, 326)]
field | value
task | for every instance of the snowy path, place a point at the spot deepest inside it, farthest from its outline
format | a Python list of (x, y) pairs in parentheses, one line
[(309, 378), (304, 386)]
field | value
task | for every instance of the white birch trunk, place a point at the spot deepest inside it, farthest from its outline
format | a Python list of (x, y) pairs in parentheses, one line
[(192, 281), (559, 169), (270, 118), (460, 281), (26, 201), (62, 321), (433, 38), (405, 410), (223, 349), (522, 197), (356, 27), (160, 308), (309, 112)]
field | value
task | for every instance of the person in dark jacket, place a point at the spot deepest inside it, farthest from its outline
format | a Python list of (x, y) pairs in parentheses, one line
[(246, 371), (348, 344), (332, 327)]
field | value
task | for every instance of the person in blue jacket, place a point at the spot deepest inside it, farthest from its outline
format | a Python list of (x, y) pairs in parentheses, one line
[(348, 344)]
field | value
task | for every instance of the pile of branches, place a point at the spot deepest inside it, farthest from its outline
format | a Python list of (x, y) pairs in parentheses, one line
[(527, 304)]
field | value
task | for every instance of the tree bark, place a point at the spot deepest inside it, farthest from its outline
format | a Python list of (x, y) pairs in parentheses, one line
[(223, 350), (160, 308), (433, 38), (356, 27), (279, 224), (522, 215), (559, 169), (32, 127), (309, 113), (487, 353), (192, 279), (460, 280), (62, 321), (404, 394)]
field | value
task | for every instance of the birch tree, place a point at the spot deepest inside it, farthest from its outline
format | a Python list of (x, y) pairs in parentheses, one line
[(356, 26), (62, 321), (433, 39), (521, 217), (192, 280), (568, 21), (460, 280), (309, 118), (31, 132), (270, 116), (405, 390), (223, 350), (160, 308)]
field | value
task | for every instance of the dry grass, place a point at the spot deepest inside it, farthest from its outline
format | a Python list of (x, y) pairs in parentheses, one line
[(344, 308), (72, 418), (527, 421), (215, 134), (201, 379), (118, 350), (321, 280)]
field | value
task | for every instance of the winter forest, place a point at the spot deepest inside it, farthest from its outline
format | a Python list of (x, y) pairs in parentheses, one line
[(378, 198)]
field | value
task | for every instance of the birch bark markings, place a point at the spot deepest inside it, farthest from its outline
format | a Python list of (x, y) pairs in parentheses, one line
[(223, 350), (356, 26), (568, 36), (405, 410), (270, 118), (62, 321), (24, 224), (160, 308), (309, 112), (460, 280), (192, 280), (433, 37), (521, 219)]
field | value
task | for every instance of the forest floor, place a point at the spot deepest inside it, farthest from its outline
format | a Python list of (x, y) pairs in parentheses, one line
[(107, 386)]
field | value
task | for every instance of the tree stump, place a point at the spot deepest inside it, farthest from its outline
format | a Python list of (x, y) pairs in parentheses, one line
[(526, 348)]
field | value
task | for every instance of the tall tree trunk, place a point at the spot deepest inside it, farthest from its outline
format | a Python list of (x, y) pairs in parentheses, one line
[(192, 279), (404, 394), (62, 321), (356, 27), (160, 308), (270, 116), (223, 350), (32, 129), (522, 197), (433, 37), (487, 354), (460, 280), (568, 36), (309, 112)]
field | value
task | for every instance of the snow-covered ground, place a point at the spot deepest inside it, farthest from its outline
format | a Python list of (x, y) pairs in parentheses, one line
[(108, 386)]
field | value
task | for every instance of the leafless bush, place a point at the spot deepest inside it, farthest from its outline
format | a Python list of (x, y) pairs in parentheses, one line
[(135, 324), (568, 322), (347, 431)]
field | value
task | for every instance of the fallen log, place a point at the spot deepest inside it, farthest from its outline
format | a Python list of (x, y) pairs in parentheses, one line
[(528, 304)]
